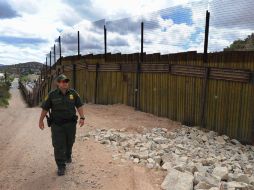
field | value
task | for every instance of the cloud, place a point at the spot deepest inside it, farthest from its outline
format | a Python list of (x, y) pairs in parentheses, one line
[(124, 26), (118, 42), (178, 14), (232, 14), (112, 9), (10, 54), (7, 12), (69, 16), (170, 30), (21, 41), (91, 38), (84, 8)]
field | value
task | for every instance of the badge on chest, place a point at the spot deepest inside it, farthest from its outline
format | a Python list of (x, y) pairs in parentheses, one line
[(71, 97)]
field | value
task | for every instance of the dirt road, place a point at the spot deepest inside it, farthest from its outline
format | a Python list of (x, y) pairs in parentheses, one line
[(26, 153)]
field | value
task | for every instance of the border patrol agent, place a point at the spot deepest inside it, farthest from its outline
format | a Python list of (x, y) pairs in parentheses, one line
[(62, 102)]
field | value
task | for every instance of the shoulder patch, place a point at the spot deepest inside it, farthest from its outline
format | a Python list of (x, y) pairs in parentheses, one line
[(50, 94), (46, 97)]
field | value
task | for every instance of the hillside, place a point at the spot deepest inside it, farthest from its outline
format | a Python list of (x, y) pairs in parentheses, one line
[(22, 68), (242, 45)]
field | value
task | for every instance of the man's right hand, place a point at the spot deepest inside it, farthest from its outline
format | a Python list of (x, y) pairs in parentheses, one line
[(41, 125)]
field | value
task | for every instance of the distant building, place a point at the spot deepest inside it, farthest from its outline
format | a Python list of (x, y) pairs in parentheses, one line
[(1, 76)]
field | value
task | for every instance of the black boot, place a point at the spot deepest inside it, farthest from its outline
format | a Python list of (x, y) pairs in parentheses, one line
[(61, 171), (68, 160)]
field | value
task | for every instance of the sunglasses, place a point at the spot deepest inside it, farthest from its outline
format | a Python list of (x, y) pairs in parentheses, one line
[(64, 81)]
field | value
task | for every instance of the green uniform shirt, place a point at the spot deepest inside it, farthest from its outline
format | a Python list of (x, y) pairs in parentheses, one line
[(62, 105)]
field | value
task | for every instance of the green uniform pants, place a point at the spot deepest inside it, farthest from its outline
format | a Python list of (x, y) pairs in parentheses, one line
[(63, 138)]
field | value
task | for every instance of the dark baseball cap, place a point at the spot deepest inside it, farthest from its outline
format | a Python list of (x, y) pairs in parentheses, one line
[(62, 77)]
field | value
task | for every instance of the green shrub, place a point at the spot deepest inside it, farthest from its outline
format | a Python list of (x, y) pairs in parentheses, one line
[(4, 94)]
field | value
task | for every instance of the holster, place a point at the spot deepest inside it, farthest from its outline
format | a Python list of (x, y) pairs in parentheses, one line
[(49, 119)]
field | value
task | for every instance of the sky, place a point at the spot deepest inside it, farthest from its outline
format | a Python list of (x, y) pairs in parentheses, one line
[(29, 28)]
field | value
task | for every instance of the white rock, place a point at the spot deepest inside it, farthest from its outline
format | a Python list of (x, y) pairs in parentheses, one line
[(183, 159), (164, 129), (167, 166), (220, 173), (150, 160), (136, 160), (180, 168), (204, 138), (236, 185), (176, 180), (143, 149), (198, 177), (160, 140), (191, 168), (157, 159), (234, 141), (164, 146), (152, 154), (206, 178), (220, 140), (208, 161), (225, 137), (143, 155), (203, 185), (150, 165), (170, 135), (241, 178), (200, 168), (177, 151)]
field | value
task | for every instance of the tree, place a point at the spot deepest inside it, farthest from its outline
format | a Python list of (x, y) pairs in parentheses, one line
[(242, 45)]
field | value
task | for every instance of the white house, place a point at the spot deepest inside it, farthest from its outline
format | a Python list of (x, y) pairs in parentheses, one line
[(1, 76)]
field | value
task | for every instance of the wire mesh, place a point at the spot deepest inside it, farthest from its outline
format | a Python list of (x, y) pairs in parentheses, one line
[(91, 37), (231, 22), (123, 35), (69, 42), (175, 29)]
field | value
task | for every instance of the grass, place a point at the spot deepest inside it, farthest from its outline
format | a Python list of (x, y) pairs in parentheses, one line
[(24, 78), (4, 93)]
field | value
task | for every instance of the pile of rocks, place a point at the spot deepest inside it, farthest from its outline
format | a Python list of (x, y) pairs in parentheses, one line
[(193, 158)]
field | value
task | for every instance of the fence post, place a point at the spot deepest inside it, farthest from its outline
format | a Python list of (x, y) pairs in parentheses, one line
[(50, 77), (40, 97), (207, 71), (74, 75), (96, 83), (78, 44), (50, 62), (140, 60), (5, 76), (54, 54), (60, 50), (105, 43), (46, 69), (60, 54), (41, 76)]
